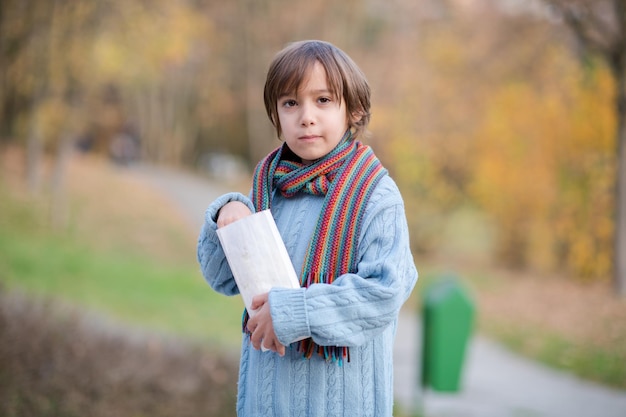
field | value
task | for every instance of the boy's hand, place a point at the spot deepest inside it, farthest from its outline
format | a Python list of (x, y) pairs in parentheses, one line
[(231, 212), (261, 326)]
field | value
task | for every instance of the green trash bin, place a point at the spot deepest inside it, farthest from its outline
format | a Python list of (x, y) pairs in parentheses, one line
[(448, 316)]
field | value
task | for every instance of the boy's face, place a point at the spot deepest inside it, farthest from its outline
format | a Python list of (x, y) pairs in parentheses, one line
[(312, 121)]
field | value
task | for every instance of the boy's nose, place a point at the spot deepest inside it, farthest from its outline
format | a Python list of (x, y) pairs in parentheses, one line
[(307, 117)]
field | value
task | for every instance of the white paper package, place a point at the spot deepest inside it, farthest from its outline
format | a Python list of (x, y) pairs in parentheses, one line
[(257, 256)]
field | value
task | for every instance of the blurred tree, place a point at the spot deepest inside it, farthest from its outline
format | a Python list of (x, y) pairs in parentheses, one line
[(543, 171), (24, 28), (152, 55), (43, 45), (510, 126), (72, 29), (600, 27), (457, 105)]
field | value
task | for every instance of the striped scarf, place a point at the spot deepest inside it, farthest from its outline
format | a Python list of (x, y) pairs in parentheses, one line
[(346, 177)]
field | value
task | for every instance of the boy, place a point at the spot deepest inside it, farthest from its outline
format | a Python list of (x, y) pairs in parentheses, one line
[(342, 220)]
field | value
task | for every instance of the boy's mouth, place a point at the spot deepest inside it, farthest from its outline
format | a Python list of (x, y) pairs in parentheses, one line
[(308, 137)]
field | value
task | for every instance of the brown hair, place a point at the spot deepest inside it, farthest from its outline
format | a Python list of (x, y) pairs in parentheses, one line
[(345, 80)]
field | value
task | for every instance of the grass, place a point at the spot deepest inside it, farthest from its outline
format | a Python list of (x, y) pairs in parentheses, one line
[(141, 273), (127, 287), (606, 365), (595, 364)]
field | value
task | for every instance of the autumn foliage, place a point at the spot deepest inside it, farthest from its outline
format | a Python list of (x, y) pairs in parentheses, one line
[(478, 106), (528, 141), (544, 171)]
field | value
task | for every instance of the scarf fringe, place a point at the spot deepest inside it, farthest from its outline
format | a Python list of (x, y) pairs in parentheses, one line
[(337, 354)]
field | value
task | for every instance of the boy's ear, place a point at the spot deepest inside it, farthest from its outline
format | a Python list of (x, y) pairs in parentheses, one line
[(356, 117)]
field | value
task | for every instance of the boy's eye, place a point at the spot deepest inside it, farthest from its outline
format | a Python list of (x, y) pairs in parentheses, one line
[(324, 100), (289, 103)]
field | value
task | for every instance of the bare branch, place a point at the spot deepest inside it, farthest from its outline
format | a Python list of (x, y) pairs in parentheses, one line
[(596, 25)]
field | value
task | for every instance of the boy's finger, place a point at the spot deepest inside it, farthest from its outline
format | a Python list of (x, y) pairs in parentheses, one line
[(274, 344), (256, 340), (258, 301)]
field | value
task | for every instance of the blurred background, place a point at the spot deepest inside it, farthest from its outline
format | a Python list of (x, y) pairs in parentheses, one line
[(499, 120)]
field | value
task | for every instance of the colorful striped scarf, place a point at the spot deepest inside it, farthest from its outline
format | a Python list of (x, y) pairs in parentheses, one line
[(346, 177)]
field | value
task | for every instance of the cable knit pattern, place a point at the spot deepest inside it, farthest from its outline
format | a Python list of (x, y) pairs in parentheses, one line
[(334, 390), (367, 379), (265, 384), (358, 310), (300, 382), (243, 373)]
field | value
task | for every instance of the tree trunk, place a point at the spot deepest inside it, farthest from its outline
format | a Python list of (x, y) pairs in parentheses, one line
[(34, 152), (261, 134), (619, 272), (58, 196)]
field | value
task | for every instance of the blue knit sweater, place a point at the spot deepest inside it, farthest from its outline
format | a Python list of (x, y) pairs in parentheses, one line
[(358, 310)]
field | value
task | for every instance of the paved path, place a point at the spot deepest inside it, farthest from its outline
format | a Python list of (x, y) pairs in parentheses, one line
[(496, 382)]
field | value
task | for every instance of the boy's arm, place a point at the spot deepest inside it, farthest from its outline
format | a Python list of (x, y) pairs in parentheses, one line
[(358, 306), (210, 254)]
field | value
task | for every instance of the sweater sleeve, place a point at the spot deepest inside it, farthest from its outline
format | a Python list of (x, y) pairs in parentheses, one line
[(211, 257), (356, 306)]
